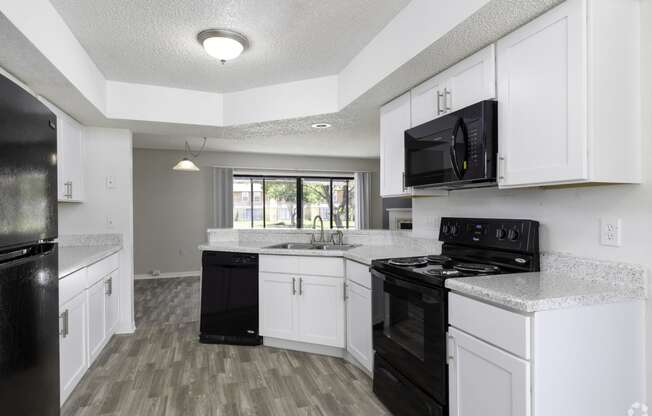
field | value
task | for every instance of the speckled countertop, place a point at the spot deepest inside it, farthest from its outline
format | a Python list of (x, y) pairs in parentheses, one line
[(540, 291), (74, 258), (362, 254)]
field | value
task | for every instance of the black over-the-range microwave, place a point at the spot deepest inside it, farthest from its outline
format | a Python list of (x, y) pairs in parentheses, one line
[(457, 150)]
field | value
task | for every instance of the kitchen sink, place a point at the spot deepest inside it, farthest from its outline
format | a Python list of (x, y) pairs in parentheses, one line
[(313, 246)]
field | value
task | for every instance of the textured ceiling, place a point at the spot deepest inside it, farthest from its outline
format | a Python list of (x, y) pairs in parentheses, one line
[(154, 41)]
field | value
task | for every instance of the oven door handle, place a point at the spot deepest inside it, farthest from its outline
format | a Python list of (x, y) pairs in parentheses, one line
[(459, 173), (396, 281)]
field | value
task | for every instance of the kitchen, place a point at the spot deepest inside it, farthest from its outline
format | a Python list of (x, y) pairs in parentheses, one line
[(513, 106)]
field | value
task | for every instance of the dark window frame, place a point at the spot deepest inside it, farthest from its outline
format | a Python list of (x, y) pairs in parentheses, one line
[(299, 181)]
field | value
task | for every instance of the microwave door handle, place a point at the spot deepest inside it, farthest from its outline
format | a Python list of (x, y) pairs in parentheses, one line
[(459, 125)]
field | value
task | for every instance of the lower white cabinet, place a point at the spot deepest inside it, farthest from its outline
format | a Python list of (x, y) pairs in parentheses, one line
[(88, 319), (562, 368), (302, 308), (358, 323), (485, 380), (97, 319), (73, 354)]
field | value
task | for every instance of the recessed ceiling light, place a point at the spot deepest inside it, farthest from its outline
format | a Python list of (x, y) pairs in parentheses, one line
[(223, 44), (321, 126)]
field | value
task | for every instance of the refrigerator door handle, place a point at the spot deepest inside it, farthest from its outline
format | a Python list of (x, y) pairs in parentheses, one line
[(7, 259)]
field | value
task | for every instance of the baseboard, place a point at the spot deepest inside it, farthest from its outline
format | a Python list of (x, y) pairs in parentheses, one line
[(171, 275), (304, 347)]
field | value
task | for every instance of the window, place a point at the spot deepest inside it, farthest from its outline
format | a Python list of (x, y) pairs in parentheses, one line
[(292, 202)]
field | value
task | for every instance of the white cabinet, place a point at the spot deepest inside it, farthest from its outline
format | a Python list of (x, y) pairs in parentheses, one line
[(569, 97), (299, 306), (70, 156), (485, 380), (358, 323), (395, 118), (73, 355), (470, 81), (500, 364), (277, 305), (96, 319)]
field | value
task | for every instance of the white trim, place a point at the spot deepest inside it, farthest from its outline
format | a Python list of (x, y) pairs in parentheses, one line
[(171, 275), (304, 347)]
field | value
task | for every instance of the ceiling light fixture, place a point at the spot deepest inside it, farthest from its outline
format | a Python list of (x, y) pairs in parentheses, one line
[(187, 165), (321, 126), (223, 44)]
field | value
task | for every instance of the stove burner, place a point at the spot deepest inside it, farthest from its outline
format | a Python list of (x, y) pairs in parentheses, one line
[(409, 262), (439, 259), (443, 272), (476, 268)]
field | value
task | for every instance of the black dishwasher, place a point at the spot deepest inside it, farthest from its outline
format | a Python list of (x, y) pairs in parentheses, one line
[(229, 299)]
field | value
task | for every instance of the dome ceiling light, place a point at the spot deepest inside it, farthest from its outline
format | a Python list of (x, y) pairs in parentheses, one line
[(223, 44), (321, 126)]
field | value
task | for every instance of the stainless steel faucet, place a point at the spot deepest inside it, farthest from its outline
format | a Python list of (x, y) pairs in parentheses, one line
[(314, 227), (337, 238)]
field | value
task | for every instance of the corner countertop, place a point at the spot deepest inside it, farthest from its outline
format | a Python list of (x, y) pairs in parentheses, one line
[(73, 258), (540, 291), (362, 254)]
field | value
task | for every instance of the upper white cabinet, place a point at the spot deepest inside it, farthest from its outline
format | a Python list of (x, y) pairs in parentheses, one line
[(465, 83), (569, 97), (70, 156), (395, 118)]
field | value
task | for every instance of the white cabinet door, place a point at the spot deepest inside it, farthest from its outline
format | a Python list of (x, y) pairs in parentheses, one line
[(358, 324), (395, 118), (321, 310), (428, 101), (278, 305), (111, 302), (73, 354), (542, 93), (484, 380), (96, 319), (73, 159), (470, 81)]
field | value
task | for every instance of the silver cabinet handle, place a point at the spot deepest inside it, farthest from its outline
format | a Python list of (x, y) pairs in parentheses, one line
[(501, 162), (109, 286), (450, 346), (403, 183), (345, 295), (300, 286), (294, 288), (439, 96), (64, 327), (447, 93), (70, 189)]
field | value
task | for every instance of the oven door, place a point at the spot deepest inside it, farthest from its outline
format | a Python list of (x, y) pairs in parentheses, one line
[(409, 331)]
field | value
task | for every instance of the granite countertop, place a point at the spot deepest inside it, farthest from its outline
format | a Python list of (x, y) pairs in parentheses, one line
[(73, 258), (362, 254), (540, 291)]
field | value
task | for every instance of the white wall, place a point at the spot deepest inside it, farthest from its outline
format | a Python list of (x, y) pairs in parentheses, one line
[(107, 152), (570, 217)]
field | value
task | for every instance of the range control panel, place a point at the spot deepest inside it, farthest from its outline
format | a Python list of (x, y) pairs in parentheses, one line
[(507, 234)]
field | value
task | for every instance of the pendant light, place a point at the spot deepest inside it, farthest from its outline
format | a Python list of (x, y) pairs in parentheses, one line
[(186, 164)]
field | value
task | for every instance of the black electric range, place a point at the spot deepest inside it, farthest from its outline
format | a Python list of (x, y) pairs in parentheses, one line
[(410, 306)]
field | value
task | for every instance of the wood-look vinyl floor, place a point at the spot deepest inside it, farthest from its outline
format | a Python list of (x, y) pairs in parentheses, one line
[(162, 370)]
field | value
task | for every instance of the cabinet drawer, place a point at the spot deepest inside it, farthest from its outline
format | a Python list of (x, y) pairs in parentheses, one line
[(71, 285), (279, 264), (321, 266), (358, 273), (497, 326), (102, 268)]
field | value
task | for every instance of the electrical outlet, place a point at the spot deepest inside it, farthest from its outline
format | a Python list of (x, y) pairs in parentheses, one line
[(611, 231), (110, 182), (109, 221)]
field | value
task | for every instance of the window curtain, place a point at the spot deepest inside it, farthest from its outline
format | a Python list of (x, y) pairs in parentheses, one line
[(222, 201), (362, 198)]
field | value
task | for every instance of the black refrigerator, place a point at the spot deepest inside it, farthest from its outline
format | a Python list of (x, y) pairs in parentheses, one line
[(29, 297)]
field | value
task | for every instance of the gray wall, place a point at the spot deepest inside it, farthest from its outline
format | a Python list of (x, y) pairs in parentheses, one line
[(172, 209)]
